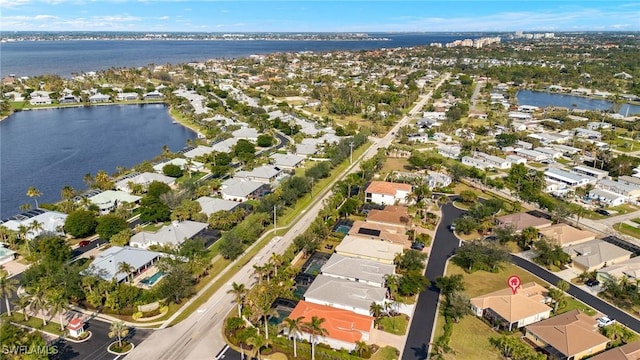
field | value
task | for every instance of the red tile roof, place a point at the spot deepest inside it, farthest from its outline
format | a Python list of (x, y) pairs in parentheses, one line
[(387, 188), (340, 324)]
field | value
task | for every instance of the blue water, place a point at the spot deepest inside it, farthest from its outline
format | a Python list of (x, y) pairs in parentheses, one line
[(544, 99), (31, 58), (52, 148), (152, 279)]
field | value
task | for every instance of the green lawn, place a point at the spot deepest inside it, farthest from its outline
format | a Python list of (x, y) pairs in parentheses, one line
[(576, 304), (386, 353), (623, 209), (482, 282), (34, 322), (396, 325), (627, 229), (470, 339), (636, 220)]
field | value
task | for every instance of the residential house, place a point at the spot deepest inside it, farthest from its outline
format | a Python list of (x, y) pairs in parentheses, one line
[(224, 146), (524, 145), (357, 270), (376, 250), (153, 95), (109, 200), (595, 254), (211, 205), (48, 222), (622, 187), (515, 159), (184, 164), (391, 215), (452, 152), (172, 235), (566, 235), (375, 231), (607, 198), (387, 193), (40, 98), (344, 329), (344, 294), (437, 180), (511, 310), (241, 190), (144, 179), (287, 161), (589, 171), (493, 161), (630, 351), (522, 220), (130, 96), (200, 150), (247, 133), (473, 162), (531, 155), (6, 255), (569, 178), (106, 265), (551, 153), (572, 335), (99, 98), (267, 174), (628, 268)]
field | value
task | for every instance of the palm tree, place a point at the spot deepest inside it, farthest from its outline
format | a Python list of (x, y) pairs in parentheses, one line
[(376, 311), (265, 313), (67, 193), (38, 302), (35, 227), (58, 303), (34, 193), (314, 327), (361, 347), (294, 329), (22, 305), (8, 287), (257, 342), (563, 286), (443, 200), (238, 291), (125, 268), (118, 330)]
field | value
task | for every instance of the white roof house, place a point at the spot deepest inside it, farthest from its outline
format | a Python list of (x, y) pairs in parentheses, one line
[(589, 171), (236, 189), (110, 199), (607, 197), (623, 187), (449, 151), (144, 179), (250, 134), (211, 205), (473, 162), (287, 161), (98, 98), (50, 221), (344, 294), (569, 178), (225, 145), (376, 250), (266, 174), (106, 264), (173, 234), (553, 154), (200, 150), (358, 270), (531, 154), (180, 162)]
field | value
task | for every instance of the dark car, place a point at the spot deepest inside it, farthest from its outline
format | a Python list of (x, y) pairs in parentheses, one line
[(592, 282), (84, 243), (417, 246), (603, 212)]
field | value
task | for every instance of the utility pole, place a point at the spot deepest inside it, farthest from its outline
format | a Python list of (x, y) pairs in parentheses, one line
[(351, 153)]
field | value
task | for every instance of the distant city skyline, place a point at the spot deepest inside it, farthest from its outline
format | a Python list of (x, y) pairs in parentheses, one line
[(318, 16)]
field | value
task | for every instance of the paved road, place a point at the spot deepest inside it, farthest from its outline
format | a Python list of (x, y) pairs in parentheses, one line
[(593, 301), (444, 245), (199, 336)]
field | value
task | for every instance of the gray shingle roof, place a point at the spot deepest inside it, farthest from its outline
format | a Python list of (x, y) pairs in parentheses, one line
[(344, 292), (353, 268)]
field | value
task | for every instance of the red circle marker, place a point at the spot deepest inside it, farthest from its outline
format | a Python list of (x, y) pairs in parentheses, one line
[(514, 283)]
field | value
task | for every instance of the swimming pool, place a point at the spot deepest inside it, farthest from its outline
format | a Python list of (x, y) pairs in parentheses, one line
[(152, 279), (344, 229)]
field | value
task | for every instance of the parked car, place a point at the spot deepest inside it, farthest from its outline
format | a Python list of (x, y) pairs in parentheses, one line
[(592, 282), (84, 243), (603, 212), (417, 246), (605, 321)]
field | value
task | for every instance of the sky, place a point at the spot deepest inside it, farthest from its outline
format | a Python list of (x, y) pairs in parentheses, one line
[(318, 16)]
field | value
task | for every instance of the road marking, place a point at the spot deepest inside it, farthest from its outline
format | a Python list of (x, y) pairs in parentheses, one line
[(221, 353)]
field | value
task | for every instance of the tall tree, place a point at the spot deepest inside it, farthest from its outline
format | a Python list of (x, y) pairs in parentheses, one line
[(34, 193), (118, 330), (315, 328), (8, 287), (126, 268), (58, 303), (294, 329), (238, 291)]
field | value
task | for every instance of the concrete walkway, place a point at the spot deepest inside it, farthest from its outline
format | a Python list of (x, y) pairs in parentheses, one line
[(383, 338)]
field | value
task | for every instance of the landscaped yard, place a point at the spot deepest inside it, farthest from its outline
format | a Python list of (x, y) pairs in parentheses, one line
[(395, 164), (627, 229), (470, 339), (623, 209), (396, 325), (385, 353), (34, 322)]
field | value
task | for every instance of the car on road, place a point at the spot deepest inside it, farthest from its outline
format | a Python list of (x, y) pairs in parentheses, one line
[(592, 282), (605, 321), (84, 243), (452, 227)]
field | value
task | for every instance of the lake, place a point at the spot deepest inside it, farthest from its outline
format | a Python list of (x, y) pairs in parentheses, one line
[(52, 148), (544, 99)]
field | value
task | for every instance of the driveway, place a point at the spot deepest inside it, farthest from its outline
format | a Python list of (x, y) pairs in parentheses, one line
[(444, 245)]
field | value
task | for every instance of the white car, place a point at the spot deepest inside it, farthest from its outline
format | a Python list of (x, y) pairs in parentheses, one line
[(605, 321)]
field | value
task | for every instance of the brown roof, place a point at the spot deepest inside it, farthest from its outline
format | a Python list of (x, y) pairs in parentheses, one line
[(392, 214), (570, 333), (340, 324), (626, 352), (368, 230), (387, 188), (523, 220), (526, 302), (563, 234)]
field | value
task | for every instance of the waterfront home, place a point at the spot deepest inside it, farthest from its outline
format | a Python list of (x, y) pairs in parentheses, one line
[(106, 265), (511, 310), (376, 250), (40, 98), (183, 164), (344, 329), (153, 95), (595, 254), (48, 222), (287, 161), (267, 174), (99, 98), (572, 335), (68, 99), (198, 151), (172, 235), (109, 200), (129, 96), (387, 193), (344, 294), (357, 270), (211, 205), (565, 235), (143, 179), (241, 190), (375, 231)]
